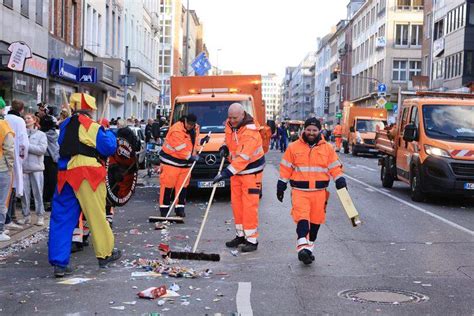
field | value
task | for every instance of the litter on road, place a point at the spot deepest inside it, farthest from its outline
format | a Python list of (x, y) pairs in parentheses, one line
[(74, 281)]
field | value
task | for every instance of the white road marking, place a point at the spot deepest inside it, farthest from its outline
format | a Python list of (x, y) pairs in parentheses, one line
[(422, 210), (244, 306), (369, 189), (366, 168)]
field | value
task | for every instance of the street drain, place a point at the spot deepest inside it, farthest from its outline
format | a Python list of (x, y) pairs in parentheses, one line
[(383, 296)]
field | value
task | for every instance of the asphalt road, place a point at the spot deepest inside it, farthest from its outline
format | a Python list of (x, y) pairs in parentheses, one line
[(424, 248)]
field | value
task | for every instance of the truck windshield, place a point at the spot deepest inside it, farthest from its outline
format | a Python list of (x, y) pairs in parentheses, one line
[(366, 125), (454, 122), (211, 115)]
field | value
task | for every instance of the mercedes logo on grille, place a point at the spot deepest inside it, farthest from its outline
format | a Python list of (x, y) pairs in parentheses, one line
[(210, 160)]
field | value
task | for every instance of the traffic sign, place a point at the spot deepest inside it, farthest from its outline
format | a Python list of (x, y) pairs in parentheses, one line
[(339, 115), (381, 89), (381, 102)]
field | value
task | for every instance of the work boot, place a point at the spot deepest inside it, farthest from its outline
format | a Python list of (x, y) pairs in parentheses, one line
[(234, 243), (163, 213), (305, 255), (180, 212), (249, 247), (60, 272), (116, 254), (76, 247)]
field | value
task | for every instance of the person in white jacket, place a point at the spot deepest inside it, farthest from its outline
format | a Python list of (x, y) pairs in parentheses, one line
[(17, 123), (33, 167)]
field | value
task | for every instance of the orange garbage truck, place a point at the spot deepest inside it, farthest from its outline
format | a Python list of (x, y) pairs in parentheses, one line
[(431, 147), (209, 98), (359, 125)]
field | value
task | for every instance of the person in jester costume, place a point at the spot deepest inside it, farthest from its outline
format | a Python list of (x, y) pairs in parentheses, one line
[(81, 186)]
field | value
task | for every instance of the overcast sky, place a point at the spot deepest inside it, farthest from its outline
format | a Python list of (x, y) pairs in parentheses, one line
[(264, 36)]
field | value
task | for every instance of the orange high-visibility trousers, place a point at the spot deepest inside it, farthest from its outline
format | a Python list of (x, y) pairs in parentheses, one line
[(309, 206), (338, 142), (171, 179), (245, 198)]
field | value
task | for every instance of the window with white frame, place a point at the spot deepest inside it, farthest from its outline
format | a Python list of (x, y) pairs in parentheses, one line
[(401, 34), (399, 71), (456, 19), (415, 68), (416, 35)]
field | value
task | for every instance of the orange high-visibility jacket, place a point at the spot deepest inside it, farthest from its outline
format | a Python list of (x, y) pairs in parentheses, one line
[(246, 154), (310, 168), (338, 131), (178, 146)]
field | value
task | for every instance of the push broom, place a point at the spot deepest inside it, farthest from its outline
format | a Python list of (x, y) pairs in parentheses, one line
[(200, 255), (175, 219)]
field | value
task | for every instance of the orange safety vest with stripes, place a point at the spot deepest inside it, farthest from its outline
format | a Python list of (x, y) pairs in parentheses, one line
[(309, 168), (338, 131), (246, 154), (179, 146)]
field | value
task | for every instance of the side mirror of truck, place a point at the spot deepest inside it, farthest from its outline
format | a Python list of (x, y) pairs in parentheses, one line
[(410, 133), (352, 129)]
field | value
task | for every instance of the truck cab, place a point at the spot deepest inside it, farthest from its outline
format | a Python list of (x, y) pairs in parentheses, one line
[(431, 148), (359, 127), (209, 99)]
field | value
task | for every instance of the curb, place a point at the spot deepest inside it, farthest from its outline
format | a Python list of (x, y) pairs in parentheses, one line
[(17, 236)]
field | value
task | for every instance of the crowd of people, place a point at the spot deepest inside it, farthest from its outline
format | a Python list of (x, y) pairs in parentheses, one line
[(281, 136), (29, 156)]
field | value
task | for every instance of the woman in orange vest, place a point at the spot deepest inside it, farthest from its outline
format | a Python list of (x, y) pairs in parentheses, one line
[(176, 157), (308, 164), (243, 148)]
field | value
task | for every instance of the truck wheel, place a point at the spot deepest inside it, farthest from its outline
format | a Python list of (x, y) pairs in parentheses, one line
[(416, 193), (385, 175), (345, 146), (353, 151)]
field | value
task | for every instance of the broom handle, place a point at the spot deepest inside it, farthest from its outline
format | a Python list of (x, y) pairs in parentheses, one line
[(208, 208), (176, 198)]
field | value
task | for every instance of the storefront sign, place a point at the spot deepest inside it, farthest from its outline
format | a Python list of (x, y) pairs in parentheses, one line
[(37, 66), (438, 47), (326, 100), (61, 69)]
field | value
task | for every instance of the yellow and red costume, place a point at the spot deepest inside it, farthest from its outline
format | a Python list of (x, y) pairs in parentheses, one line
[(81, 183)]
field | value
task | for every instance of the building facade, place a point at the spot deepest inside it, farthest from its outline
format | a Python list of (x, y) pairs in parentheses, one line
[(322, 77), (386, 48), (451, 45), (25, 22), (271, 96)]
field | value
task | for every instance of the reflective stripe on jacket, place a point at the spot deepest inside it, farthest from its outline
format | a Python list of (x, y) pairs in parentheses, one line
[(310, 168), (246, 155), (337, 131)]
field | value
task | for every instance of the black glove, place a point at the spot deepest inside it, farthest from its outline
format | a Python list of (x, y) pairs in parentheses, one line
[(204, 140), (194, 158), (341, 183), (224, 151), (225, 174), (281, 187)]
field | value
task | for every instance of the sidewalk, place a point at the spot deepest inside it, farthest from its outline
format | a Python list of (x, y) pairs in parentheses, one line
[(27, 231)]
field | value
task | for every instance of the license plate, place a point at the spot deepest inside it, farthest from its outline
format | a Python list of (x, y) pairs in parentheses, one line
[(468, 186), (208, 184), (373, 150)]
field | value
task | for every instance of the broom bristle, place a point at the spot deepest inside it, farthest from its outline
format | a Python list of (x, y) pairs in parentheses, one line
[(195, 256), (154, 219)]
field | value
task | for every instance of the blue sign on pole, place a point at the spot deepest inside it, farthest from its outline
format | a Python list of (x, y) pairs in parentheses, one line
[(201, 64), (382, 87)]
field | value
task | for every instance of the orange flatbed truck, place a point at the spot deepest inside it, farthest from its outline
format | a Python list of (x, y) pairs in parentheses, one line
[(209, 98), (359, 125), (431, 147)]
